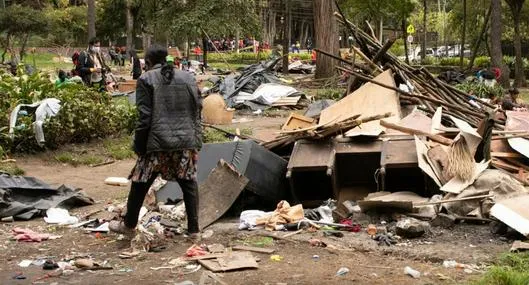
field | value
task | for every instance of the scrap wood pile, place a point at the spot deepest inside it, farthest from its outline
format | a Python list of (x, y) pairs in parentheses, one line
[(456, 137)]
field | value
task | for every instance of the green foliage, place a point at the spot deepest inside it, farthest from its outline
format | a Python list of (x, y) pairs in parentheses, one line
[(11, 168), (215, 136), (120, 148), (215, 17), (482, 62), (250, 57), (85, 114), (510, 269), (19, 20), (481, 90), (331, 93), (76, 160), (398, 48), (67, 25), (452, 61)]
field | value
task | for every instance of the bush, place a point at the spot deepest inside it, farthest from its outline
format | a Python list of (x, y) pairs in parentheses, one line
[(482, 62), (397, 48), (85, 113), (481, 90), (250, 57)]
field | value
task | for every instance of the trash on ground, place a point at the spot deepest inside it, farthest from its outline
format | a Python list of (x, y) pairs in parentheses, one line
[(27, 235), (412, 272), (117, 181), (342, 271), (59, 216)]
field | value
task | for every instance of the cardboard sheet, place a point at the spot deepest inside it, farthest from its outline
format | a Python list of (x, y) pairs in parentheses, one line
[(218, 193), (456, 184), (368, 100), (424, 163), (236, 260), (514, 213), (399, 200), (518, 121)]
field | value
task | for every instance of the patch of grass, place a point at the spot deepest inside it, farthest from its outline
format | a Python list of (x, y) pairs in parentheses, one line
[(11, 169), (47, 61), (215, 136), (331, 93), (258, 241), (119, 148), (76, 159), (510, 269)]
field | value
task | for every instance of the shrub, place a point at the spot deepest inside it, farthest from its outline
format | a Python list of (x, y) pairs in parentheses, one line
[(85, 113), (481, 90)]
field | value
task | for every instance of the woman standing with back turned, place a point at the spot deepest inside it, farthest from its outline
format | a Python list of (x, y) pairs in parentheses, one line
[(167, 138)]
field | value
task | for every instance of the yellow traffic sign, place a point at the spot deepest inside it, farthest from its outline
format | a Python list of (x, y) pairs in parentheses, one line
[(410, 29)]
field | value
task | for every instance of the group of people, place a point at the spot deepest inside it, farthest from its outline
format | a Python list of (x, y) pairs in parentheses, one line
[(118, 55)]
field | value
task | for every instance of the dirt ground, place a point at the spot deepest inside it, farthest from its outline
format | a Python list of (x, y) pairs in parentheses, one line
[(368, 262)]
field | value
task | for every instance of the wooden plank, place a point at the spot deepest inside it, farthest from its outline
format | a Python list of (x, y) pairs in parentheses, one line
[(506, 154), (368, 100), (296, 121), (236, 260), (504, 165), (207, 256), (220, 190), (254, 249)]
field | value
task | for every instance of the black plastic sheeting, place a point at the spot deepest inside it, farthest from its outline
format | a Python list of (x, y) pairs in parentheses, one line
[(24, 198), (314, 109), (248, 81), (265, 170)]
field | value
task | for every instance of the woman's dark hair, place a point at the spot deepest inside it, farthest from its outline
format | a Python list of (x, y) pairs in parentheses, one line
[(156, 55), (62, 75), (94, 41)]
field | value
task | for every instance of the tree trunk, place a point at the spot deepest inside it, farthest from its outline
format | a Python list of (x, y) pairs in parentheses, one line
[(495, 39), (22, 52), (91, 16), (237, 37), (130, 26), (463, 35), (381, 31), (326, 37), (423, 44), (6, 48), (404, 37), (478, 41), (286, 40), (516, 9), (145, 41), (205, 48)]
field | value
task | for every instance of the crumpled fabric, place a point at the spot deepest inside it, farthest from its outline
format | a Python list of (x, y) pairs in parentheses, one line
[(27, 235), (196, 250), (283, 214), (44, 109), (248, 219)]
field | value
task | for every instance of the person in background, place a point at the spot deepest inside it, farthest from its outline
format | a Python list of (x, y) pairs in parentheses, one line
[(298, 46), (136, 64), (62, 79), (313, 57), (91, 65), (167, 138), (123, 54), (309, 45), (510, 102), (198, 53), (185, 63), (114, 56)]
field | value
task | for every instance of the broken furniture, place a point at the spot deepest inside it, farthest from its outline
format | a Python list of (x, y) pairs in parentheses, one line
[(347, 169), (264, 169)]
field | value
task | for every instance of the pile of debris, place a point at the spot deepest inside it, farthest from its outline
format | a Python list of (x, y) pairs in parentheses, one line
[(412, 132), (258, 87)]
